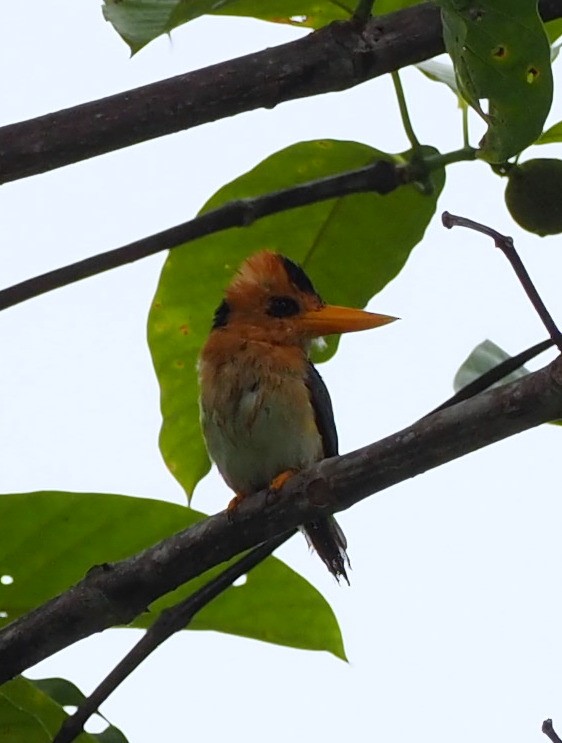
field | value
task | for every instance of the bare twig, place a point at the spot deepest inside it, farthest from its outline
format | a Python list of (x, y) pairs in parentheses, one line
[(380, 177), (117, 593), (170, 621), (505, 244), (494, 375), (549, 731)]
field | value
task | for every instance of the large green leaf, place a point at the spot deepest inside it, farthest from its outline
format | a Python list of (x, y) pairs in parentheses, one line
[(29, 714), (140, 21), (49, 540), (351, 247), (501, 52)]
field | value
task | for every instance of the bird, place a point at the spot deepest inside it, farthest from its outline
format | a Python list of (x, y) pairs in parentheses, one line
[(265, 411)]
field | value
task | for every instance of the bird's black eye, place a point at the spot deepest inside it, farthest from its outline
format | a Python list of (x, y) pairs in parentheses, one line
[(283, 307)]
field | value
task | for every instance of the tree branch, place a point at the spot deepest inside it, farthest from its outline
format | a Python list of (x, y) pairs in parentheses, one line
[(380, 177), (336, 57), (117, 593)]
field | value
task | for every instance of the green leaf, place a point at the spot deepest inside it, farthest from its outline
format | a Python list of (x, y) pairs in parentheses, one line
[(553, 29), (18, 724), (67, 694), (275, 604), (501, 52), (78, 530), (440, 72), (29, 715), (554, 134), (62, 691), (351, 247), (482, 358), (140, 21)]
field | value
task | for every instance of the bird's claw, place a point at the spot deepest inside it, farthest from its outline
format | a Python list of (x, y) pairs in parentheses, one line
[(277, 483), (233, 505)]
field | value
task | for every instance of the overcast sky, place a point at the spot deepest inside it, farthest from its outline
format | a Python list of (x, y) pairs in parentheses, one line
[(451, 624)]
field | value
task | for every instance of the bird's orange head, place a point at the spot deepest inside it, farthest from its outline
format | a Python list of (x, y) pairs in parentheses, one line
[(272, 299)]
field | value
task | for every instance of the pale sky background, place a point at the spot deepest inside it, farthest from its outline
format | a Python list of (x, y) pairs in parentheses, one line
[(452, 622)]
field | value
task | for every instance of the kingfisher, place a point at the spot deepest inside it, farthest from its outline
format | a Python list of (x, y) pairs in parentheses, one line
[(265, 410)]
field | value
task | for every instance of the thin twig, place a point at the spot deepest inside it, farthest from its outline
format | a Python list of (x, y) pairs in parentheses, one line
[(170, 621), (549, 731), (494, 375), (505, 244), (380, 177)]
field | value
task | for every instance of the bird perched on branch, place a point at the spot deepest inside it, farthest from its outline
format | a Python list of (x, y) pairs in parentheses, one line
[(265, 411)]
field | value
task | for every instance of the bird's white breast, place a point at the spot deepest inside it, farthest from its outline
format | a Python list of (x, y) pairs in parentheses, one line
[(257, 426)]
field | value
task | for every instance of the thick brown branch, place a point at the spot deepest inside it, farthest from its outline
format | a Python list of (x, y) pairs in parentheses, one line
[(115, 594), (336, 57)]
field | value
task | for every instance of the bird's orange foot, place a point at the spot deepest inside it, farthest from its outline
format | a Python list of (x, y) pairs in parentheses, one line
[(233, 505), (278, 482)]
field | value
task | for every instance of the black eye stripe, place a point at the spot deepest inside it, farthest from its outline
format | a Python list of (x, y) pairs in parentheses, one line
[(283, 307), (222, 313)]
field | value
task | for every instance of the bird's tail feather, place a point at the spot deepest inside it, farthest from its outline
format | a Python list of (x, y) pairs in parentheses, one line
[(329, 541)]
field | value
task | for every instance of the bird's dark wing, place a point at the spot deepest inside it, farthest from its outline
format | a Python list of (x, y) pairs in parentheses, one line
[(325, 534), (322, 406)]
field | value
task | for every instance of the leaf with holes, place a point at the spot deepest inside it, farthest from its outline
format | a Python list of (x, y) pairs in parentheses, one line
[(501, 53), (350, 246), (79, 530)]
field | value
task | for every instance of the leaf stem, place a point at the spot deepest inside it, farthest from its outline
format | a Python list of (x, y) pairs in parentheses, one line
[(363, 11), (406, 122), (465, 154), (465, 132)]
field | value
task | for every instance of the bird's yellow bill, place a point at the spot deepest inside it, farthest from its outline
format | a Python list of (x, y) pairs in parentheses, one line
[(331, 319)]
